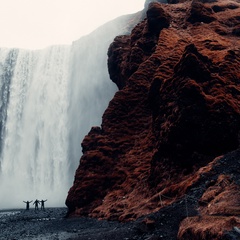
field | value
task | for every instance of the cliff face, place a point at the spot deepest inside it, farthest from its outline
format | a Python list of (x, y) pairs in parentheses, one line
[(177, 109)]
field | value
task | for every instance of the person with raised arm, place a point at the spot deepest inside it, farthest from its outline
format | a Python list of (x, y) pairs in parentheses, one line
[(27, 204), (36, 202), (42, 204)]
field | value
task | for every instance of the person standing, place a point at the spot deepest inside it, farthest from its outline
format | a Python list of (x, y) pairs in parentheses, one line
[(36, 204), (42, 204), (27, 204)]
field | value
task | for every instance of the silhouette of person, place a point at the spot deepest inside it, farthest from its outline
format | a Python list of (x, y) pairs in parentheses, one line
[(42, 204), (36, 204), (27, 204)]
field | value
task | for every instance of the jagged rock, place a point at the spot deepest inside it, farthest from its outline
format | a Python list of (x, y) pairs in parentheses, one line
[(200, 13), (177, 109), (157, 18)]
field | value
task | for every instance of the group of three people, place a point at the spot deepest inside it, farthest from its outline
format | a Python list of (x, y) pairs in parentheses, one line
[(36, 203)]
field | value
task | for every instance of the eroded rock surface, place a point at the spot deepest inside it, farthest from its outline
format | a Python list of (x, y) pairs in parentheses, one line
[(177, 109)]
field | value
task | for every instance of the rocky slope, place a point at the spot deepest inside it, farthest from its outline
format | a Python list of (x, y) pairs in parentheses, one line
[(177, 110)]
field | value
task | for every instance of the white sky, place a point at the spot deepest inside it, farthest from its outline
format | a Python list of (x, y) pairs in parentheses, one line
[(37, 24)]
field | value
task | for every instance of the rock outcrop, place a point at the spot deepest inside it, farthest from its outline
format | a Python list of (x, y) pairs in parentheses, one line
[(176, 111)]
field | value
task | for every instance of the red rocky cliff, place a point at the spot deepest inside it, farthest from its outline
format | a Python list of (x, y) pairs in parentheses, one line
[(177, 109)]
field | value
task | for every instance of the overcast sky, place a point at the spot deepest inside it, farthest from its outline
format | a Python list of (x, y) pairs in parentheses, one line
[(35, 24)]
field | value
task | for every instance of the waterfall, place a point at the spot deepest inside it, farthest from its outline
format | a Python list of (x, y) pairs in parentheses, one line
[(34, 127), (49, 100)]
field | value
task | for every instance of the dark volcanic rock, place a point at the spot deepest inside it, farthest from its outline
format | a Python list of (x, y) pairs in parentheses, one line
[(200, 13), (157, 18), (203, 122), (177, 109)]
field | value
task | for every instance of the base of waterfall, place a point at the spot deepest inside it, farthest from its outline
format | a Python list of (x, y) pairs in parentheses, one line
[(51, 224)]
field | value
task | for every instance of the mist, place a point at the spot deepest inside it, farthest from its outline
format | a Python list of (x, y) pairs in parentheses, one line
[(50, 100)]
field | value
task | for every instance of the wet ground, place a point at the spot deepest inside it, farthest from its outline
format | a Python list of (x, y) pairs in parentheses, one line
[(52, 224)]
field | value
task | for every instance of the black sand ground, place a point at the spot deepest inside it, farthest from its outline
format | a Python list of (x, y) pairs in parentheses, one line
[(52, 224)]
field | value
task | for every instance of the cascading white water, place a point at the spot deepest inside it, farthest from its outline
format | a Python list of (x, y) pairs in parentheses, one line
[(49, 99), (35, 132)]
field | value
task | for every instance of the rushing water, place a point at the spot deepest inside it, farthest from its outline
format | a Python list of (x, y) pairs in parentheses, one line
[(34, 123), (49, 99)]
